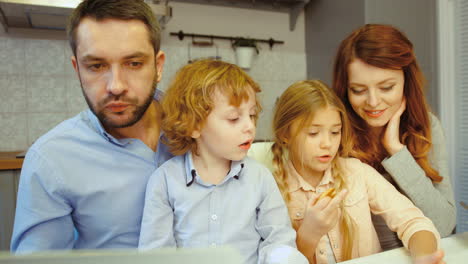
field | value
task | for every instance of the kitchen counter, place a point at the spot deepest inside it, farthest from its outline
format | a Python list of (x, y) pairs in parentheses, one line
[(8, 160)]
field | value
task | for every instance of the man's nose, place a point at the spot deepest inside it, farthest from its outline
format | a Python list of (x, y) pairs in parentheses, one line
[(116, 84)]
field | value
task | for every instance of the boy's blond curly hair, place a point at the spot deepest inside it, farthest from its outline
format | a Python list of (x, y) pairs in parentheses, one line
[(189, 99)]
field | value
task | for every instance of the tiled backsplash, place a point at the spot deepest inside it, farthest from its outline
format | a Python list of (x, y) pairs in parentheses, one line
[(39, 89)]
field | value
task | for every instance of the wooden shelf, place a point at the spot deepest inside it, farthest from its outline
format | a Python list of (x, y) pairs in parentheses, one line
[(8, 161)]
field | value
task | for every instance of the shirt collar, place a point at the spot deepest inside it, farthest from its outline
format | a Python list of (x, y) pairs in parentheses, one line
[(100, 129), (296, 181), (191, 172)]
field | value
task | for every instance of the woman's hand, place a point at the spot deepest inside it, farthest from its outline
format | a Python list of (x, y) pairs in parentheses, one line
[(321, 215), (391, 138), (434, 258)]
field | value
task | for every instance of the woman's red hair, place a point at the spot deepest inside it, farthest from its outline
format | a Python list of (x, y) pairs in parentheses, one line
[(386, 47)]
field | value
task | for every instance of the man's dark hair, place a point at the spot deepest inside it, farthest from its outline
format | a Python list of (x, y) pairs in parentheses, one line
[(114, 9)]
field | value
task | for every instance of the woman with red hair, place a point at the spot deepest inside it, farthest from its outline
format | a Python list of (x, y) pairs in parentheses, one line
[(378, 79)]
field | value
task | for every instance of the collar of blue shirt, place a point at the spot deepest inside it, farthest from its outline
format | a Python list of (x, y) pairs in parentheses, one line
[(191, 171)]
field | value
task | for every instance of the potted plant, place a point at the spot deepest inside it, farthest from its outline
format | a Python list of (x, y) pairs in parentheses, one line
[(245, 49)]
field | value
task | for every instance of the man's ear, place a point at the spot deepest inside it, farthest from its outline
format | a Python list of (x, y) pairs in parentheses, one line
[(160, 59), (76, 67), (74, 63)]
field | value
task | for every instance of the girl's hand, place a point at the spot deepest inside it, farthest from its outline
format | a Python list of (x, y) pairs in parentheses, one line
[(322, 215), (391, 139), (434, 258)]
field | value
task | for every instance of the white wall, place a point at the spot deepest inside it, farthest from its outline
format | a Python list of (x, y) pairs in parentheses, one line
[(38, 88)]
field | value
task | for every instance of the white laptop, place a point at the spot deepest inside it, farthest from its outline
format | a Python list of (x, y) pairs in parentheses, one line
[(217, 255)]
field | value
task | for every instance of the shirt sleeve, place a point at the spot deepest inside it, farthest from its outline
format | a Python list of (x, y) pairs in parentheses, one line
[(278, 243), (399, 213), (43, 215), (436, 200), (158, 216)]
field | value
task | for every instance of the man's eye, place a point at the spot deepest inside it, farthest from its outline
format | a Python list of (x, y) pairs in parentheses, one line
[(96, 66), (233, 119), (135, 64)]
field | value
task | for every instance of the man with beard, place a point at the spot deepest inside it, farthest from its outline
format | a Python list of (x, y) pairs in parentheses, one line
[(83, 183)]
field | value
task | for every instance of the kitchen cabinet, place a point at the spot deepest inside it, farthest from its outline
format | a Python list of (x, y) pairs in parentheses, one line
[(293, 7), (10, 169)]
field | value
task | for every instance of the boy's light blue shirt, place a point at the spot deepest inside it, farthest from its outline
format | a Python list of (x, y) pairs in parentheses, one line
[(77, 176), (245, 211)]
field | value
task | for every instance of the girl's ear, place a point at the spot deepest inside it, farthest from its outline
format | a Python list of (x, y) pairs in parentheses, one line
[(284, 139)]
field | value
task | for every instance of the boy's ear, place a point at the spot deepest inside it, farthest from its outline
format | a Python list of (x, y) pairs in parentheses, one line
[(195, 134)]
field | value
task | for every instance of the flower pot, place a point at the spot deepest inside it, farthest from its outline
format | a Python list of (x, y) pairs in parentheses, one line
[(244, 56)]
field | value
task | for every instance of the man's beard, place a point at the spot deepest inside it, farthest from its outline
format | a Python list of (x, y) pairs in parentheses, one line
[(134, 117)]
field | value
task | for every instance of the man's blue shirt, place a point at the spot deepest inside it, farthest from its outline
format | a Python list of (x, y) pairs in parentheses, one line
[(79, 177)]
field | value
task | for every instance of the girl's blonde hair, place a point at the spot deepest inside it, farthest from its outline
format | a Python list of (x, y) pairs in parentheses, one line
[(297, 106), (189, 99)]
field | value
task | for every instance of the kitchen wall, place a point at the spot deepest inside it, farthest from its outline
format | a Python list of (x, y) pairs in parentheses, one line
[(39, 89)]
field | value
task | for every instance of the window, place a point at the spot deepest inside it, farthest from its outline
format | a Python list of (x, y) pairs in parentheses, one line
[(453, 57)]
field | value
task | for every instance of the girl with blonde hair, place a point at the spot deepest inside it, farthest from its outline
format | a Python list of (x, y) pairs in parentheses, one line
[(311, 144)]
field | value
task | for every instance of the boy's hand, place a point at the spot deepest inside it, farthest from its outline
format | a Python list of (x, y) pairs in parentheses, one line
[(322, 214), (434, 258), (391, 138)]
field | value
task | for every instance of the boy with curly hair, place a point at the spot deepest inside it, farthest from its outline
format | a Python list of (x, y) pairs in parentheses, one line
[(212, 194)]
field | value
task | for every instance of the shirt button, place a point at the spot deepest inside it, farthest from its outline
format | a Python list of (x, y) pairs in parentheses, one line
[(214, 217), (298, 214)]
